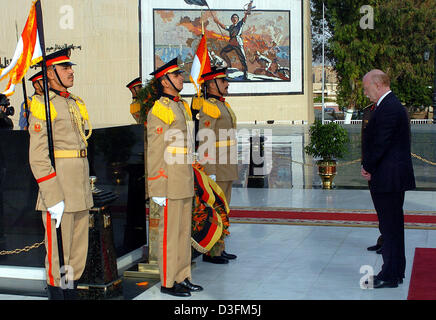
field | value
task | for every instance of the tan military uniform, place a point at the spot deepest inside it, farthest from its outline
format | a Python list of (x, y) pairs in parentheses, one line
[(170, 175), (218, 116), (69, 183), (135, 110)]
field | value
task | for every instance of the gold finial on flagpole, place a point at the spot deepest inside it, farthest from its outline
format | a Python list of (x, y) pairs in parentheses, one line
[(202, 22)]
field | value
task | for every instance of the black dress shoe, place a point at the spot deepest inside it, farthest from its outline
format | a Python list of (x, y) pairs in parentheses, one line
[(374, 248), (378, 284), (55, 293), (190, 286), (216, 260), (71, 293), (177, 290), (228, 256)]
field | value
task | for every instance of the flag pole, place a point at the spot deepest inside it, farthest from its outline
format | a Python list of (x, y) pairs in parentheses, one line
[(26, 106), (40, 25)]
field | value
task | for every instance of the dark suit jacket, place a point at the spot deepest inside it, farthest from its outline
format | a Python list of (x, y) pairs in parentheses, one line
[(386, 143)]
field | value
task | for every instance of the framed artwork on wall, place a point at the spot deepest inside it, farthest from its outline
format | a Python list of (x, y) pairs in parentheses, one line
[(262, 48)]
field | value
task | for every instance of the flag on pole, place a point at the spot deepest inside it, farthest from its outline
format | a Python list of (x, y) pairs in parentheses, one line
[(197, 2), (201, 64), (27, 53)]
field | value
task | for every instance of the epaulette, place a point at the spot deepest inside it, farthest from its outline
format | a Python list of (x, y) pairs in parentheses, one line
[(197, 103), (211, 109), (82, 107), (163, 111), (135, 107), (37, 107)]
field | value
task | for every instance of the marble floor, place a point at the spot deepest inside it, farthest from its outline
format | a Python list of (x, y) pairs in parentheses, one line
[(287, 262)]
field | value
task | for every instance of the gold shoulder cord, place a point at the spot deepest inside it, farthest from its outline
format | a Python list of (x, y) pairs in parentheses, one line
[(80, 123)]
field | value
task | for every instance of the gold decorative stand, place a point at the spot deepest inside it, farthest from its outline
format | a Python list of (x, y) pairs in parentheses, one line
[(327, 172), (150, 269)]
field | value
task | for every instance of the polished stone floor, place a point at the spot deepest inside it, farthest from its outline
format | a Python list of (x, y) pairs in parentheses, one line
[(287, 262)]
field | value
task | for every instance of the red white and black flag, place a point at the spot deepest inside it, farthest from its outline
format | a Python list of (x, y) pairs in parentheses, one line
[(28, 52)]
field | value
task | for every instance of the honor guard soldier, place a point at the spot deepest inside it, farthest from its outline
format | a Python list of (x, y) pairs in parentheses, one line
[(222, 164), (170, 136), (65, 193), (135, 107), (38, 86), (37, 83)]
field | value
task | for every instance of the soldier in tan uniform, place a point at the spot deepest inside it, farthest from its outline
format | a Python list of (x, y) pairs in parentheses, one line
[(220, 160), (170, 179), (64, 194), (37, 84), (135, 107)]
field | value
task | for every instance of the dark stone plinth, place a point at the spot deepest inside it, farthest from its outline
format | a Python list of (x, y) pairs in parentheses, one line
[(100, 279)]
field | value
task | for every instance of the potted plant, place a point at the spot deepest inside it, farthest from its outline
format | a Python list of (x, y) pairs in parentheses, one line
[(328, 142)]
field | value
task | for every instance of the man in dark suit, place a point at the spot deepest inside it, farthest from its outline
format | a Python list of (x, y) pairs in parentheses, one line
[(387, 165), (367, 113)]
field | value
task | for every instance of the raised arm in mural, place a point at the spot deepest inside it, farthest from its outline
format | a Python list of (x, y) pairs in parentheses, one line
[(236, 42)]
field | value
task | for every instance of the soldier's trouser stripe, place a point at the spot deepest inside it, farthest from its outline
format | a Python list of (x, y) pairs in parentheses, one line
[(165, 239), (49, 250)]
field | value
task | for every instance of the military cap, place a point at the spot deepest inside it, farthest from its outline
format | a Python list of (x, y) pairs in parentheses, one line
[(215, 74), (170, 67), (134, 83), (36, 77), (59, 57)]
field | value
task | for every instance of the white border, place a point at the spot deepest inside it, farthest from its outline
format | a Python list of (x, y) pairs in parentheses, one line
[(295, 86)]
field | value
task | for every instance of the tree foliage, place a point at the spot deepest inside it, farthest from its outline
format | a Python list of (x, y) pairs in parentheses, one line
[(402, 31)]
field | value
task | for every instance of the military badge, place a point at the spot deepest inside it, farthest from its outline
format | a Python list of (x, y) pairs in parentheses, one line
[(37, 127), (159, 130), (207, 124)]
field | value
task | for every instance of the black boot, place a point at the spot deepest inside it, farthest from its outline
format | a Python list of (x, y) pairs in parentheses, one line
[(228, 256), (55, 293), (71, 294), (216, 259)]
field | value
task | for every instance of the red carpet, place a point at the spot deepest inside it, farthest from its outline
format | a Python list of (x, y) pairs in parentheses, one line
[(423, 280), (333, 217)]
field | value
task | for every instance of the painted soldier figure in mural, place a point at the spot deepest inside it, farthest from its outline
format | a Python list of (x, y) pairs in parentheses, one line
[(65, 195), (236, 43), (170, 134)]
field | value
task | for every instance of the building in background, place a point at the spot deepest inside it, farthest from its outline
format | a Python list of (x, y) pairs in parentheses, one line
[(109, 37)]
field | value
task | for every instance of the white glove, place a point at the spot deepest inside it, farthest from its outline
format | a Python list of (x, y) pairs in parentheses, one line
[(159, 200), (213, 177), (56, 212)]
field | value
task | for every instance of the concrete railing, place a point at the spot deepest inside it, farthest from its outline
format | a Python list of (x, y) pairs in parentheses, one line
[(300, 122), (412, 121)]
